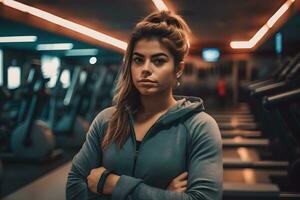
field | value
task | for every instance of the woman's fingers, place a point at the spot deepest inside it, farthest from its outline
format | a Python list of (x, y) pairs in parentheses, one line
[(179, 184), (182, 184), (182, 176)]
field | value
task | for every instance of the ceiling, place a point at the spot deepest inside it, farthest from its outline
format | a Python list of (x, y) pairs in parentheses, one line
[(214, 23), (14, 28), (290, 38)]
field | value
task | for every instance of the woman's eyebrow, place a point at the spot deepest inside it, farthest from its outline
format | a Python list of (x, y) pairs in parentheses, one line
[(152, 56), (159, 54), (138, 54)]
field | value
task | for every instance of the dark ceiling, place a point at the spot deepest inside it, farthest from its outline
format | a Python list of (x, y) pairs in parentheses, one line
[(13, 28), (290, 38), (214, 23)]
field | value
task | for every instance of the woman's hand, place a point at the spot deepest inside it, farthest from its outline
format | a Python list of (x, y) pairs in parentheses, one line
[(110, 183), (94, 178), (179, 184)]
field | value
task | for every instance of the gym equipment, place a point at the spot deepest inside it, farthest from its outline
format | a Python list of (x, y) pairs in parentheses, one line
[(32, 139), (92, 109), (69, 128), (287, 104)]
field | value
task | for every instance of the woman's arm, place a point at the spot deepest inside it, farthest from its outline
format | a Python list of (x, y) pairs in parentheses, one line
[(88, 158), (94, 178), (205, 169)]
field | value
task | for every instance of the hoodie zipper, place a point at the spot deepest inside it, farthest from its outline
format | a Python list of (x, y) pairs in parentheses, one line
[(137, 152), (148, 132)]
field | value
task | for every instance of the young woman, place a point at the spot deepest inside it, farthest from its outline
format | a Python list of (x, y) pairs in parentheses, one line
[(150, 144)]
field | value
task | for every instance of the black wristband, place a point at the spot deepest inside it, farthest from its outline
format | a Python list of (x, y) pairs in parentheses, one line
[(102, 180)]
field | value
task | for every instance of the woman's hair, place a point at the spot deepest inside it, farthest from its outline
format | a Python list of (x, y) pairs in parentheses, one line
[(172, 32)]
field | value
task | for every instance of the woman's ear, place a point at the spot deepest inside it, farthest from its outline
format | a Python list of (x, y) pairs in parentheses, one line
[(180, 69)]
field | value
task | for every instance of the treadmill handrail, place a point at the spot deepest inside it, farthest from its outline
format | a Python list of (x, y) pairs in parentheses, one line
[(269, 88), (265, 164), (260, 84), (273, 101)]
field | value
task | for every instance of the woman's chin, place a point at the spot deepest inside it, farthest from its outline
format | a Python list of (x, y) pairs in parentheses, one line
[(148, 91)]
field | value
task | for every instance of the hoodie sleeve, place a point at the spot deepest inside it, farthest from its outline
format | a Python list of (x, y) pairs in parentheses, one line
[(88, 158), (205, 168)]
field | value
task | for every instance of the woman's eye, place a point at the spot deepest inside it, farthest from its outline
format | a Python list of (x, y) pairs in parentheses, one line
[(159, 62), (138, 60)]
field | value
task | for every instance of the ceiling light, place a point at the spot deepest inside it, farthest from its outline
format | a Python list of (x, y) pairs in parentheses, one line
[(93, 60), (11, 39), (260, 34), (263, 30), (160, 5), (66, 23), (54, 46), (82, 52), (240, 45), (279, 13)]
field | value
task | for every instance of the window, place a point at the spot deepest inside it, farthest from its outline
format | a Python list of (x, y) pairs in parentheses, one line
[(50, 67), (14, 77), (65, 78)]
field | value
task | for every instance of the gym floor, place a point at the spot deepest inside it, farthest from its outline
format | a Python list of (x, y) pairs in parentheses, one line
[(18, 174)]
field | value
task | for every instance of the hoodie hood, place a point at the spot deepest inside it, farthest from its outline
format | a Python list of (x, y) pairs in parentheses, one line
[(185, 107)]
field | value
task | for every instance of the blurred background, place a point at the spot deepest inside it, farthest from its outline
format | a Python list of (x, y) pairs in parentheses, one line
[(59, 60)]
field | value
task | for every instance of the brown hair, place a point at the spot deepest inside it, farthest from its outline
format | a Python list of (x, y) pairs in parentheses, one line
[(171, 31)]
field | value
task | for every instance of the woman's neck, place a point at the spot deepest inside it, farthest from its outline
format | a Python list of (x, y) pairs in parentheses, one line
[(154, 104)]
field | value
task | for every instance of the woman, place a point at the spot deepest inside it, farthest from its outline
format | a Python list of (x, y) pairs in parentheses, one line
[(150, 144)]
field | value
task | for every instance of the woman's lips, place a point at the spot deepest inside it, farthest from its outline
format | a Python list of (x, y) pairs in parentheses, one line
[(147, 82)]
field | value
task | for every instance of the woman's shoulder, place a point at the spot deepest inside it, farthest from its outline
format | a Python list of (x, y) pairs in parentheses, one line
[(104, 115), (202, 124), (202, 118), (101, 119)]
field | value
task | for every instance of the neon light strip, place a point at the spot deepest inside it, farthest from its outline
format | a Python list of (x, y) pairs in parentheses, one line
[(82, 52), (263, 30), (54, 46), (66, 23), (11, 39), (160, 5)]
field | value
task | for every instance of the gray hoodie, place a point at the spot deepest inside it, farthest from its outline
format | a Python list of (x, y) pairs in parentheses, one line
[(185, 138)]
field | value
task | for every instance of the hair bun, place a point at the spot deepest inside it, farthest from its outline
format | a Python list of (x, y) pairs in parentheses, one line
[(168, 18)]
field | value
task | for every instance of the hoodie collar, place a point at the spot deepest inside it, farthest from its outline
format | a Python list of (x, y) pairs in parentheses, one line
[(185, 106)]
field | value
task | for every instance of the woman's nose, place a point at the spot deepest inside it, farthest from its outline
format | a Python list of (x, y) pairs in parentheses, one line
[(147, 67)]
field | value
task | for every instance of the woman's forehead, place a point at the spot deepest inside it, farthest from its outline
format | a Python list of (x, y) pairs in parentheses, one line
[(148, 47)]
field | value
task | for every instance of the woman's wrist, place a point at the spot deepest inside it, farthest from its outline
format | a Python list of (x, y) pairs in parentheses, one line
[(110, 183), (102, 181)]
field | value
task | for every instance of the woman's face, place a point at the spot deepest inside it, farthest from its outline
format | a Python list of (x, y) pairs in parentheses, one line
[(152, 67)]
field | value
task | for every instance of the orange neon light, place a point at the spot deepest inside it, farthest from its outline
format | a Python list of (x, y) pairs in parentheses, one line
[(160, 5), (66, 23), (263, 30), (279, 13)]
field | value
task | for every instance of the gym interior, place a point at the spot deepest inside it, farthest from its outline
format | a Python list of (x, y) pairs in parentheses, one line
[(59, 60)]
